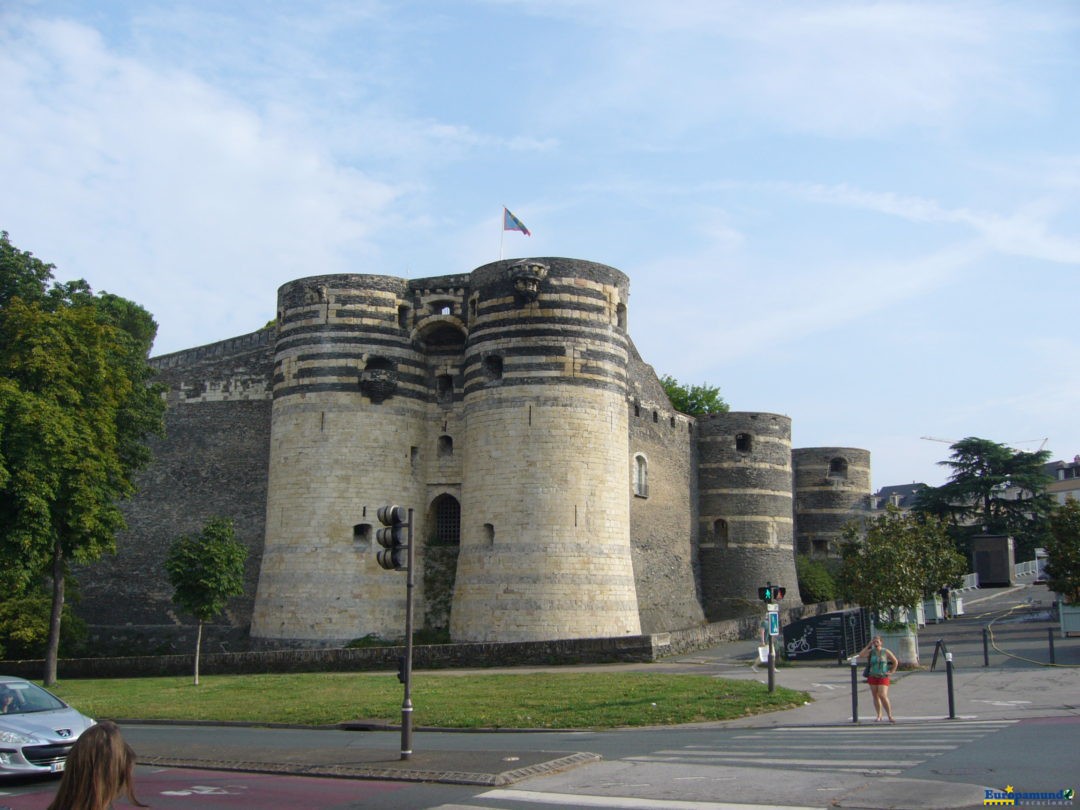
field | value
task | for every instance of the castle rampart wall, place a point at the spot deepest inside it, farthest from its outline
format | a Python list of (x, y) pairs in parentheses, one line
[(211, 462), (663, 508)]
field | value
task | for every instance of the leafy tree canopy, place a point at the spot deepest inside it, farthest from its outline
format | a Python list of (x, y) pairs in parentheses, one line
[(695, 400), (896, 560), (76, 405), (993, 488), (206, 569), (1063, 548)]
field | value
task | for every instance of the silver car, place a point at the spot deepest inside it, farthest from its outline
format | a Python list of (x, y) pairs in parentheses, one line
[(37, 729)]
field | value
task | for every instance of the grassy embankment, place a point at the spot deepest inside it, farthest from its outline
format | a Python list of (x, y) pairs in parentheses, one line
[(592, 699)]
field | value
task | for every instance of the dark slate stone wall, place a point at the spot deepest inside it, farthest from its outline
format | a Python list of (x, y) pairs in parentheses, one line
[(211, 462), (662, 525)]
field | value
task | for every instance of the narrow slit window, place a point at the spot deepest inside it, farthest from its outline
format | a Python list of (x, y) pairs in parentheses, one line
[(641, 476)]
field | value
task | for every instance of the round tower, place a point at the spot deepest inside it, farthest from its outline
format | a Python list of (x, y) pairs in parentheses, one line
[(744, 511), (545, 526), (832, 488), (349, 398)]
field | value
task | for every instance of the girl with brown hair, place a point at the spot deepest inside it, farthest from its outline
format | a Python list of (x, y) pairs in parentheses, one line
[(99, 768)]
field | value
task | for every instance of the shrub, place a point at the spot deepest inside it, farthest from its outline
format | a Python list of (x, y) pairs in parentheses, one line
[(816, 583)]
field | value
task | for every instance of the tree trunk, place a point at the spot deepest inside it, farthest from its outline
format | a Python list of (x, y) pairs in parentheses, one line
[(198, 647), (52, 650)]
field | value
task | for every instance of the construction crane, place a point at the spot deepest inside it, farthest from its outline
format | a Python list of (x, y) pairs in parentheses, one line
[(1010, 445)]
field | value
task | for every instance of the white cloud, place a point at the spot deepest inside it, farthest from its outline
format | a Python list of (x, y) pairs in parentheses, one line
[(838, 69), (1025, 232), (165, 174)]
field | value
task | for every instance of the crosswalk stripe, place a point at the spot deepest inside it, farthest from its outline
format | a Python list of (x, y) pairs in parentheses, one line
[(620, 802)]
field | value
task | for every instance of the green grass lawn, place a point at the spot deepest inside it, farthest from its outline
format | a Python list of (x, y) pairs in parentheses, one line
[(528, 700)]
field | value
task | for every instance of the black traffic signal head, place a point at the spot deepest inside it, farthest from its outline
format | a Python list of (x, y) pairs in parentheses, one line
[(771, 593), (392, 538)]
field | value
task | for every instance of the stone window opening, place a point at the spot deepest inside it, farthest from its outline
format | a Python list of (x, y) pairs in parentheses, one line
[(838, 468), (720, 532), (641, 476), (361, 533), (620, 315), (446, 446), (493, 365), (489, 533), (444, 388), (744, 442), (655, 417), (403, 317)]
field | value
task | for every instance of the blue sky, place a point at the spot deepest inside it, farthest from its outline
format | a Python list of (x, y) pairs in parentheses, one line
[(859, 214)]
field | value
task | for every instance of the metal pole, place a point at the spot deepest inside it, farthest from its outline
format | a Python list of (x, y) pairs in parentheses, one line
[(406, 705), (772, 666), (1050, 635), (854, 689), (986, 647), (948, 680)]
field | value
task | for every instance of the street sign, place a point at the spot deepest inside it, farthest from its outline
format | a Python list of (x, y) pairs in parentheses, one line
[(774, 623)]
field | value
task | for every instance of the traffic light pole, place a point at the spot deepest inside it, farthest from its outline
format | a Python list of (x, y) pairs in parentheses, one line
[(772, 664), (406, 705)]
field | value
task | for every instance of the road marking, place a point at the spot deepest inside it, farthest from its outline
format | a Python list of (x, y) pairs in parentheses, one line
[(620, 802)]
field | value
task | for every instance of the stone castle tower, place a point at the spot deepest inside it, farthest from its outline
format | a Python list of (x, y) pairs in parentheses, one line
[(832, 487), (555, 492)]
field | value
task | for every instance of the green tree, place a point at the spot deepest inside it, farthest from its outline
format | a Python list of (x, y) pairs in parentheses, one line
[(695, 400), (897, 559), (76, 406), (1063, 549), (816, 582), (993, 488), (205, 570)]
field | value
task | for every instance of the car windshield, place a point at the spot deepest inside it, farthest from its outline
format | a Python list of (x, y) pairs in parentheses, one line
[(20, 698)]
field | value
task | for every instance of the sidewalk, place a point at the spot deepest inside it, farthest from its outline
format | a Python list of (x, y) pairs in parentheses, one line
[(1008, 689)]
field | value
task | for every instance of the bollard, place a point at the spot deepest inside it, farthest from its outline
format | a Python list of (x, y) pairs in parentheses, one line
[(1050, 635), (949, 682), (986, 647), (854, 689)]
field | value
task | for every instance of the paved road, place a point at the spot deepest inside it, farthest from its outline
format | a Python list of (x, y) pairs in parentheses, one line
[(1016, 723)]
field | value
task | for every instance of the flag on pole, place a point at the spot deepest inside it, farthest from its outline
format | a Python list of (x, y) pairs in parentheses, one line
[(512, 223)]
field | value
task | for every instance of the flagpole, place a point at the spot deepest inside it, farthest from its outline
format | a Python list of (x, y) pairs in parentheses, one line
[(502, 232)]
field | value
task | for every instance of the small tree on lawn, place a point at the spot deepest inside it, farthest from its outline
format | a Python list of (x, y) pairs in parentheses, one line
[(205, 570), (1063, 548), (896, 560)]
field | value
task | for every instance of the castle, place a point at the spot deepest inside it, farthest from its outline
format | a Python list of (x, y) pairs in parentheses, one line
[(556, 493)]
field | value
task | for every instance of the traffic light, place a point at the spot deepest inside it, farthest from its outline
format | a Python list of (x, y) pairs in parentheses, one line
[(392, 538), (771, 593)]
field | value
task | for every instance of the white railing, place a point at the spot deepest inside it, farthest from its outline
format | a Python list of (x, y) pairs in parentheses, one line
[(970, 583), (1032, 568)]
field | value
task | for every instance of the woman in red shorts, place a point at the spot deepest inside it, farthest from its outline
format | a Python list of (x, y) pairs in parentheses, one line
[(882, 664)]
